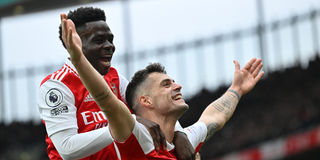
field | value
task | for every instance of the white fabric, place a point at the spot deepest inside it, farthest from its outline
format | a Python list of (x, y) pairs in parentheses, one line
[(143, 136), (67, 120), (178, 127), (196, 133), (62, 121), (73, 145), (62, 128)]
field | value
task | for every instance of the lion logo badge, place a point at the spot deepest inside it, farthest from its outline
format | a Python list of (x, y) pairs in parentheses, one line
[(54, 97)]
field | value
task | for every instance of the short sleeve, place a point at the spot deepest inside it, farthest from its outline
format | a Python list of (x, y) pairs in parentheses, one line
[(196, 133), (56, 106)]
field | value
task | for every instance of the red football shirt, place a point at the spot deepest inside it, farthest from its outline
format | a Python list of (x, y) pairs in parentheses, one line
[(65, 103)]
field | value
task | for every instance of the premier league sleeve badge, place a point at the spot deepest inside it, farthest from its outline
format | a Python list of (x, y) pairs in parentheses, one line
[(54, 97)]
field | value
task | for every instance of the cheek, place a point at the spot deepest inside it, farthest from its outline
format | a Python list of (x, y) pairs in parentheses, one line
[(90, 52)]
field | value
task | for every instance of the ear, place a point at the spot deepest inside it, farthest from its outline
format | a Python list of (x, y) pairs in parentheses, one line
[(145, 101)]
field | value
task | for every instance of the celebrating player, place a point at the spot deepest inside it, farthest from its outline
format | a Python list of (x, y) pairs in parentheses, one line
[(154, 95), (75, 124)]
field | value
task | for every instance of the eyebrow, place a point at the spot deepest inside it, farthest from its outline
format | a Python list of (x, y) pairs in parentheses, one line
[(166, 80)]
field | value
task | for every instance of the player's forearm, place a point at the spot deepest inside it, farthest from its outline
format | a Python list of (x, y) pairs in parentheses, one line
[(120, 120), (226, 104), (72, 145), (93, 82), (220, 111)]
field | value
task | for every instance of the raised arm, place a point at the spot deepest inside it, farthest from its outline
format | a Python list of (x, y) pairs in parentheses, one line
[(220, 111), (121, 122)]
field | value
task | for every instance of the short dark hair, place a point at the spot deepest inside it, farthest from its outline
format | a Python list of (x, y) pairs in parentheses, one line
[(138, 78), (82, 15)]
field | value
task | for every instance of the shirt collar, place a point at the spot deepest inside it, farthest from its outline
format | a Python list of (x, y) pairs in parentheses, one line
[(69, 63)]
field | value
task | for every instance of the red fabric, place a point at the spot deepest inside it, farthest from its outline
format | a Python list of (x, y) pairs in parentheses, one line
[(131, 150), (93, 113)]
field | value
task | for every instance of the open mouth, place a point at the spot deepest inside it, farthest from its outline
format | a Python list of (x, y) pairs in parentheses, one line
[(177, 97), (105, 60)]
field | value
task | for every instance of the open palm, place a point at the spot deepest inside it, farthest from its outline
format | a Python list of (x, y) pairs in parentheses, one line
[(71, 38), (247, 77)]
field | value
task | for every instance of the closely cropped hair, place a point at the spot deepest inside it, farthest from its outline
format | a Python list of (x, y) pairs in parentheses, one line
[(82, 15), (138, 78)]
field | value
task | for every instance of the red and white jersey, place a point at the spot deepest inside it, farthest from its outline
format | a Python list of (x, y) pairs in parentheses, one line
[(139, 146), (64, 103)]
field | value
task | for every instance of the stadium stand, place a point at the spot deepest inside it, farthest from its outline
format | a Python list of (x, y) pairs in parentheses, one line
[(283, 104)]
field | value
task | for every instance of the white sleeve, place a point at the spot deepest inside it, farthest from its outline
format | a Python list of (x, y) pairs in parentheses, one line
[(196, 133), (123, 83), (72, 145), (57, 110), (56, 107), (178, 127), (142, 136)]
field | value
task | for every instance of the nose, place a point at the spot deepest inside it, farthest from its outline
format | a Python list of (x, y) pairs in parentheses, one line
[(177, 87), (109, 46)]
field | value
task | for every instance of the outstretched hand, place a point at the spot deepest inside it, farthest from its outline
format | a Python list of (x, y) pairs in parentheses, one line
[(71, 38), (247, 77)]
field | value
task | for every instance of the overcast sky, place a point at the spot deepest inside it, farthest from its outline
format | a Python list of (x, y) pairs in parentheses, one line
[(32, 39)]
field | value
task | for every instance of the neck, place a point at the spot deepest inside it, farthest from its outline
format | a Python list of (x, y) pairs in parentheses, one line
[(167, 124)]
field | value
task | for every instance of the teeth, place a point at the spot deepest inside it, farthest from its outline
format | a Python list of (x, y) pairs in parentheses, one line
[(106, 63), (177, 97)]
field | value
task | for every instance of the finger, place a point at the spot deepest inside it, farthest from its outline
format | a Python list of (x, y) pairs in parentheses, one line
[(255, 65), (257, 70), (236, 65), (63, 16), (249, 64), (64, 29), (71, 24), (260, 75), (69, 36), (70, 31)]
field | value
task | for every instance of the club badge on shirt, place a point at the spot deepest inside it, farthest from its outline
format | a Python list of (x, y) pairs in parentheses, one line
[(54, 97), (114, 88)]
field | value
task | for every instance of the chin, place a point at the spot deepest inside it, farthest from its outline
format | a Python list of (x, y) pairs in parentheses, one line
[(104, 71), (183, 107), (186, 107)]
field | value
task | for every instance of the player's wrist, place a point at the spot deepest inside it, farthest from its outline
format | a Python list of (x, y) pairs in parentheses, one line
[(236, 91), (77, 60)]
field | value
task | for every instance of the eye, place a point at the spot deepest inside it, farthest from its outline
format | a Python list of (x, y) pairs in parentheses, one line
[(99, 40), (166, 84)]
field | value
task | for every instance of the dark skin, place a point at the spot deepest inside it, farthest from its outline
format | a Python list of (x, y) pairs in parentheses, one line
[(98, 48), (97, 45), (183, 151)]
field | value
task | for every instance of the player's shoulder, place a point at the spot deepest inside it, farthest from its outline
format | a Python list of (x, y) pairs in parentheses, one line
[(65, 74), (112, 72)]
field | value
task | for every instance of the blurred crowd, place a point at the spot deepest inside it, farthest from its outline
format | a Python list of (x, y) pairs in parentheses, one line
[(284, 102)]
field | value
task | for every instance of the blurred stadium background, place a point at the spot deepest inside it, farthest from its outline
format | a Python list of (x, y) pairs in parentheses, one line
[(279, 119)]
